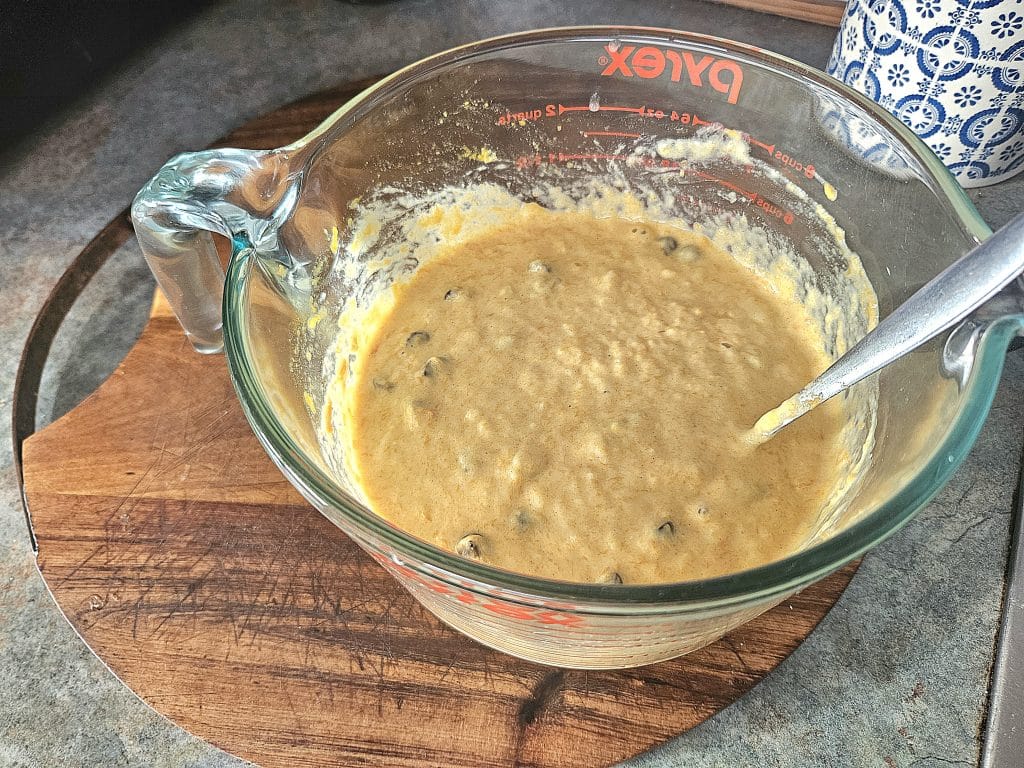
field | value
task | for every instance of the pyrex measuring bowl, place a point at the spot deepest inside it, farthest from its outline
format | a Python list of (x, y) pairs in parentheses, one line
[(576, 103)]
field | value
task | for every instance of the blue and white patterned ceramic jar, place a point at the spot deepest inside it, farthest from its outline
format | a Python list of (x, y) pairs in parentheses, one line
[(952, 70)]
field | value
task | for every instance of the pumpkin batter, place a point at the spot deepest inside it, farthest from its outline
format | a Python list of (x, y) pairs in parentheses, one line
[(567, 396)]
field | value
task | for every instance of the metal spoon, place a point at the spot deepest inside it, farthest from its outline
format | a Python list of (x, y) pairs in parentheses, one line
[(940, 304)]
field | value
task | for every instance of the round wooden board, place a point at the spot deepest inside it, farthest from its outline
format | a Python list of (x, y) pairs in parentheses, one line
[(202, 578)]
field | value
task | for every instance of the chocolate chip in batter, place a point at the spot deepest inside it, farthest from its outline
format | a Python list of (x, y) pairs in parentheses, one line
[(668, 244), (417, 339), (470, 546), (702, 511), (610, 577), (452, 294), (521, 519), (539, 266), (436, 366), (666, 529)]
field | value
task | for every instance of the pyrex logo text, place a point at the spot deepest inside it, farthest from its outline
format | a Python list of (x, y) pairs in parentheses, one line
[(649, 62)]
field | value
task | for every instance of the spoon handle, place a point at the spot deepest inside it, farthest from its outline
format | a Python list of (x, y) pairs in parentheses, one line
[(940, 304)]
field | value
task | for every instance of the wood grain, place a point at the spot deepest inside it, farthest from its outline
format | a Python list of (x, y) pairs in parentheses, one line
[(202, 578), (827, 12)]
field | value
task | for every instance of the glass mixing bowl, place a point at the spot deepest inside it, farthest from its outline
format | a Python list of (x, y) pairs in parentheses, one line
[(577, 103)]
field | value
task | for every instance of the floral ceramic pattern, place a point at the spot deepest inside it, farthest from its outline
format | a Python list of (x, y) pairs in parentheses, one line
[(952, 70)]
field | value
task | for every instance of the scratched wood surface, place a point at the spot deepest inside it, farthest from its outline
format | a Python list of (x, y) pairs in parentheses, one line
[(827, 12), (196, 572)]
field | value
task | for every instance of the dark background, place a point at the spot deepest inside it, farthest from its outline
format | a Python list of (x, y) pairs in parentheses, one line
[(52, 50)]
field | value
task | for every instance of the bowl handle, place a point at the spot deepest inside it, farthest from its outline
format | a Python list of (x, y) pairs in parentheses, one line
[(224, 191)]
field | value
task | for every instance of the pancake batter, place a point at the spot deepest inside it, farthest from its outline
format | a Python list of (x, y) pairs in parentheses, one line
[(566, 396)]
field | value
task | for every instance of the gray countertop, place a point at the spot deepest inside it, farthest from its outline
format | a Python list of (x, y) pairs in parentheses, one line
[(896, 675)]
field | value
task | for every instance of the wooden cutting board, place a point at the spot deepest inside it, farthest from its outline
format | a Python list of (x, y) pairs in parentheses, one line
[(828, 12), (206, 583)]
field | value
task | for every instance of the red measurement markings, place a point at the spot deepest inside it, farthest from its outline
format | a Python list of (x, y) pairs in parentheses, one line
[(726, 184), (650, 112), (772, 209), (792, 164), (525, 161), (612, 133), (563, 158), (769, 148), (586, 108), (765, 205), (788, 163), (555, 110)]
